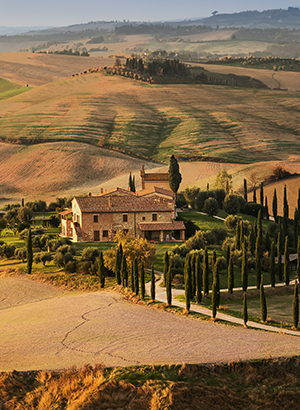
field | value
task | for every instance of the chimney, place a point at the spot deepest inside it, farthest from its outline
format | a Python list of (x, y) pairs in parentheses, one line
[(109, 202), (101, 190), (90, 194)]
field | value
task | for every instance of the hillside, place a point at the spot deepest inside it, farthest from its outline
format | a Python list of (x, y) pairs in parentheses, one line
[(199, 121)]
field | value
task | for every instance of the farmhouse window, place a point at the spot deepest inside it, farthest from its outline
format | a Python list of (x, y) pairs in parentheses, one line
[(154, 217), (125, 218), (105, 234), (95, 218), (96, 236), (144, 219)]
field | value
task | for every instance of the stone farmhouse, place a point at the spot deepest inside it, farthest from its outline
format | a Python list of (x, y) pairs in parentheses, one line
[(148, 214)]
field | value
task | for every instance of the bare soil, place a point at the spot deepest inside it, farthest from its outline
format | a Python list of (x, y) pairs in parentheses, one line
[(45, 328)]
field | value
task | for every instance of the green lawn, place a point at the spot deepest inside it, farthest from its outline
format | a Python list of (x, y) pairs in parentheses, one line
[(204, 222)]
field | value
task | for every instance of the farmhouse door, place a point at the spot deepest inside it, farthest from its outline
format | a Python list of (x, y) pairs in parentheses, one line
[(96, 236)]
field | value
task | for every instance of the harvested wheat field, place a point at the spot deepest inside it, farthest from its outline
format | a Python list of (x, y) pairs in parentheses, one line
[(37, 69), (101, 327), (229, 124), (60, 169)]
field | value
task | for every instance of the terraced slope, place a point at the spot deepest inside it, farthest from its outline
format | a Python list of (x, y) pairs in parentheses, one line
[(229, 124)]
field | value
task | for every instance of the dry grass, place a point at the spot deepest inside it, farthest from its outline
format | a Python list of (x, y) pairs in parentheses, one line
[(268, 384)]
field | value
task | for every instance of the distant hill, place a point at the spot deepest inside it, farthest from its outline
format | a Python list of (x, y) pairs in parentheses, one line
[(278, 18)]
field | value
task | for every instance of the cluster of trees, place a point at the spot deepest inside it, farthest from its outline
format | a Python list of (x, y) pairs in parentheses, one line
[(158, 67)]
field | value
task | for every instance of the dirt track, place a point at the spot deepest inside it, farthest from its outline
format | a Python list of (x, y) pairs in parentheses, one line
[(44, 328)]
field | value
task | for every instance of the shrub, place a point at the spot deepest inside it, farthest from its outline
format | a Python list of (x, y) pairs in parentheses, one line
[(176, 261), (196, 241), (90, 254), (83, 267), (211, 206), (42, 257), (71, 267), (190, 195), (221, 262), (20, 253), (181, 250), (231, 242), (220, 234), (209, 238), (231, 204), (7, 251), (252, 209), (231, 221), (273, 230)]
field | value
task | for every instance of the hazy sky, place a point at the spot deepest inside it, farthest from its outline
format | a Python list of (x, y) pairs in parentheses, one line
[(66, 12)]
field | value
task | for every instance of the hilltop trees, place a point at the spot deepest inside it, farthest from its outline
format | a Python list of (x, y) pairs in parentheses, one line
[(175, 177)]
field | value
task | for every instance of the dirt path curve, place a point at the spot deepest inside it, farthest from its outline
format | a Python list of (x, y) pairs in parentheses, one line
[(160, 295), (46, 328)]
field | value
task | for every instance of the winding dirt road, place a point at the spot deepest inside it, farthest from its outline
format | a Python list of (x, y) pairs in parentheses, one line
[(43, 327)]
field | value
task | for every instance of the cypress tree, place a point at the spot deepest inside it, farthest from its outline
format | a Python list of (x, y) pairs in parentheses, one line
[(227, 255), (259, 232), (279, 259), (136, 277), (187, 282), (298, 258), (261, 192), (238, 236), (245, 190), (272, 265), (274, 205), (133, 183), (166, 265), (198, 280), (285, 202), (254, 195), (152, 284), (130, 182), (205, 273), (214, 257), (230, 276), (118, 263), (29, 252), (216, 281), (132, 276), (101, 270), (143, 281), (124, 272), (263, 303), (267, 208), (242, 236), (252, 241), (174, 175), (245, 310), (284, 223), (214, 297), (286, 268), (298, 202), (244, 269), (194, 280), (257, 264), (169, 287), (296, 306)]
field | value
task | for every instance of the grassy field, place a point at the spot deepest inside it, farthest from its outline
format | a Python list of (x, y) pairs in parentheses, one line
[(268, 383)]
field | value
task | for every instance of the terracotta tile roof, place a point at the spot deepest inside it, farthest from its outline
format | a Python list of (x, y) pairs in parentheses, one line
[(67, 212), (117, 203), (162, 226), (157, 177), (117, 191), (155, 189)]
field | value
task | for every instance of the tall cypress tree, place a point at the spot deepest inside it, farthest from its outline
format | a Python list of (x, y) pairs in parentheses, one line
[(254, 195), (244, 268), (143, 281), (133, 184), (286, 262), (230, 276), (136, 277), (274, 205), (214, 257), (242, 235), (101, 270), (187, 282), (174, 175), (169, 287), (205, 272), (194, 280), (272, 265), (216, 282), (29, 252), (267, 208), (261, 193), (257, 264), (263, 303), (245, 190), (238, 236), (124, 272), (268, 244), (130, 182), (296, 306), (227, 255), (214, 300), (252, 241), (118, 264), (166, 265), (198, 280), (279, 259), (298, 201), (296, 227), (284, 223), (152, 284), (245, 310), (259, 232)]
